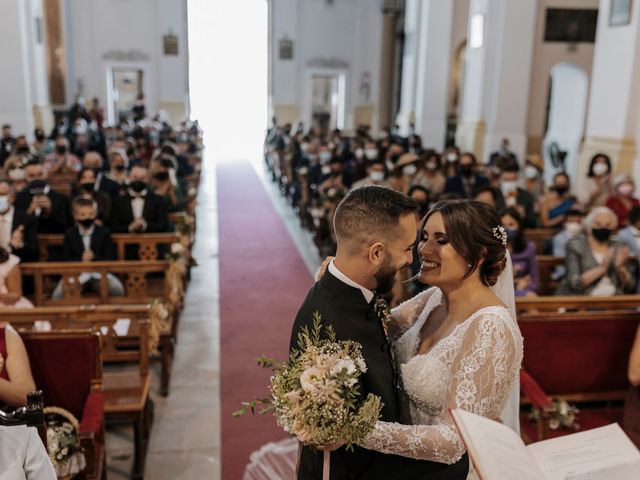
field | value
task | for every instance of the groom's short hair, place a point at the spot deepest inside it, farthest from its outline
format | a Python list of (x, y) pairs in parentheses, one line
[(370, 211)]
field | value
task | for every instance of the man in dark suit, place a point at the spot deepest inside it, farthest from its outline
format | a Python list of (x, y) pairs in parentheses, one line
[(94, 161), (376, 230), (467, 181), (49, 207), (87, 241), (18, 233), (140, 210), (510, 194)]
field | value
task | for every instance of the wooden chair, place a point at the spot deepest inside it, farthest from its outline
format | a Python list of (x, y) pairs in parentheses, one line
[(546, 266), (127, 394), (578, 357), (539, 236), (67, 367), (576, 302), (101, 318)]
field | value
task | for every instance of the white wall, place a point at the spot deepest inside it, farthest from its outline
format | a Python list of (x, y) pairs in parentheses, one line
[(105, 34), (345, 37)]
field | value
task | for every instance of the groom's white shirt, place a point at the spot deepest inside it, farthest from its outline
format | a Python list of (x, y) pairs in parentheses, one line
[(368, 294)]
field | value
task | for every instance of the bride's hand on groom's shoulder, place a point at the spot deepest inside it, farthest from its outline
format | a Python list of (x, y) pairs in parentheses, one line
[(323, 268)]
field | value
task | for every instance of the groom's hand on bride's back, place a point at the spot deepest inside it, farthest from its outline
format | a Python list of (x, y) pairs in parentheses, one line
[(323, 268)]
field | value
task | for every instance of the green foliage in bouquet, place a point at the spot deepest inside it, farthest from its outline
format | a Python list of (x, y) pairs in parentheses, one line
[(315, 395)]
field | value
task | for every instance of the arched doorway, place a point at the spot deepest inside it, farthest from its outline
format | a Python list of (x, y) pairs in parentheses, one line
[(567, 107)]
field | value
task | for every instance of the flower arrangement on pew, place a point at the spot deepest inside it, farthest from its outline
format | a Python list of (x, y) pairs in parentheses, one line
[(159, 324), (315, 395), (563, 416), (176, 274), (62, 442)]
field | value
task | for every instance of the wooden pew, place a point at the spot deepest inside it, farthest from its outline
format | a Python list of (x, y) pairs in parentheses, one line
[(538, 237), (148, 244), (580, 357), (102, 318), (546, 266), (62, 182), (580, 303)]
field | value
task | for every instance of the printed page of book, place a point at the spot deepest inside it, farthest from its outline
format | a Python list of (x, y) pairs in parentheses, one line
[(497, 451), (604, 453)]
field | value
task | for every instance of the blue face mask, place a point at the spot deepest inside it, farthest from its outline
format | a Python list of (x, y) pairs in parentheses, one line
[(511, 234)]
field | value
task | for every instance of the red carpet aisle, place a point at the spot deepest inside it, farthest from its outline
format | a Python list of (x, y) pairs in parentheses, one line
[(263, 281)]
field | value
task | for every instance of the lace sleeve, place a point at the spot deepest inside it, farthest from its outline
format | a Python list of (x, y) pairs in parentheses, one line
[(484, 369), (405, 314)]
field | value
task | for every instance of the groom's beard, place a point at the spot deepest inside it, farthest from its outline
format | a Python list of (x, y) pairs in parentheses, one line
[(385, 279)]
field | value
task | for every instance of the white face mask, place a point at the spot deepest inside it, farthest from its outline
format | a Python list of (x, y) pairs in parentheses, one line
[(600, 169), (432, 167), (572, 228), (4, 203), (452, 157), (304, 147), (376, 176), (371, 153), (509, 187), (359, 153), (17, 174), (530, 172), (625, 189), (326, 170), (409, 170), (324, 156)]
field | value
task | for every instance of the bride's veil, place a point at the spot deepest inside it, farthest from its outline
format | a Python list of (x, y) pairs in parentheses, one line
[(505, 291)]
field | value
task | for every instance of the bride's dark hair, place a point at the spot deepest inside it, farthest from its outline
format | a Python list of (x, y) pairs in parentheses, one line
[(469, 226)]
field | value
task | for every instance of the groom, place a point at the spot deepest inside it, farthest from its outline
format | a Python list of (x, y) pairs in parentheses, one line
[(376, 230)]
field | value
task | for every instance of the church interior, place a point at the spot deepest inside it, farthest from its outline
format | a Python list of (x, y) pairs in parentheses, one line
[(170, 171)]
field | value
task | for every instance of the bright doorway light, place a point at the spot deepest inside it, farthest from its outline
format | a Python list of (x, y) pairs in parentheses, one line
[(228, 75), (476, 31)]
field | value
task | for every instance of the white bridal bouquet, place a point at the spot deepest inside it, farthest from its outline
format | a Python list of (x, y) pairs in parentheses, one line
[(315, 395)]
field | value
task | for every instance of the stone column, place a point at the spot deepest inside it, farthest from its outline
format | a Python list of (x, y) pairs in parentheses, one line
[(385, 101), (613, 124), (497, 75)]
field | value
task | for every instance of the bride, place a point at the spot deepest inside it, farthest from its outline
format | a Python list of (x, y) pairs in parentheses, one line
[(457, 344)]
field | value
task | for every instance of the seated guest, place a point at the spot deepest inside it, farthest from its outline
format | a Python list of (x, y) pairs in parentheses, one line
[(404, 172), (430, 174), (376, 174), (104, 184), (118, 163), (631, 412), (11, 282), (488, 195), (422, 197), (523, 254), (533, 180), (596, 188), (61, 159), (596, 265), (622, 200), (334, 184), (467, 180), (7, 143), (16, 381), (140, 210), (49, 207), (629, 236), (86, 188), (14, 173), (88, 241), (555, 205), (511, 195), (18, 231), (23, 456), (571, 227)]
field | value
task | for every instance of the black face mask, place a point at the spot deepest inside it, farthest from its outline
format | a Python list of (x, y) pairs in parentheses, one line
[(466, 170), (87, 222), (131, 153), (88, 186), (61, 149), (601, 234), (138, 186), (40, 137), (394, 158), (561, 190), (336, 174), (119, 168), (161, 176), (23, 149)]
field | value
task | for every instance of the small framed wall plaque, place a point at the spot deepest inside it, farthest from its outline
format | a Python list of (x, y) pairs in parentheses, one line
[(619, 12), (285, 47), (170, 42)]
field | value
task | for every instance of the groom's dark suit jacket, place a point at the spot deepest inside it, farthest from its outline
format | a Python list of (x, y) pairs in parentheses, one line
[(345, 308)]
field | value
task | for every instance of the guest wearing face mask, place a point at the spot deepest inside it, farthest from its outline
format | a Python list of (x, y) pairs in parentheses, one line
[(87, 241), (533, 180), (371, 152), (523, 254), (118, 162), (40, 143), (104, 184), (430, 174), (165, 183), (467, 180), (61, 160), (18, 234), (422, 197), (334, 183), (510, 194), (376, 175), (7, 143), (623, 200), (596, 264), (629, 236), (555, 205), (596, 188), (140, 210), (86, 188), (451, 159), (22, 148), (404, 172), (571, 227)]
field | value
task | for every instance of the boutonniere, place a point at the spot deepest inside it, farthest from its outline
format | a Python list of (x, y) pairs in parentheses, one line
[(384, 314)]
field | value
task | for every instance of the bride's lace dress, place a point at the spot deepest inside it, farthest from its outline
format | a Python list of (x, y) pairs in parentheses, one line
[(473, 368)]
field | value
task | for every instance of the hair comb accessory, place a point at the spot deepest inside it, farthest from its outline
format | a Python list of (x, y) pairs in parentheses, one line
[(501, 234)]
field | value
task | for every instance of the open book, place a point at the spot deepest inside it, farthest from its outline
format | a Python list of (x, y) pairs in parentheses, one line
[(498, 453)]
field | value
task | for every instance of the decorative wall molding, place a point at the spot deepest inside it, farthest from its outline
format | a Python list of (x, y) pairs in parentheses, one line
[(332, 62), (126, 55)]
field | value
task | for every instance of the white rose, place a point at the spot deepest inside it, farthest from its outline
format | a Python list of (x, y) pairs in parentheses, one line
[(311, 379), (177, 248), (344, 364), (361, 365)]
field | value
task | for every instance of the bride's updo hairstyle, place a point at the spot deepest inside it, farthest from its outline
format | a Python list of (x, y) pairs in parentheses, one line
[(470, 228)]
